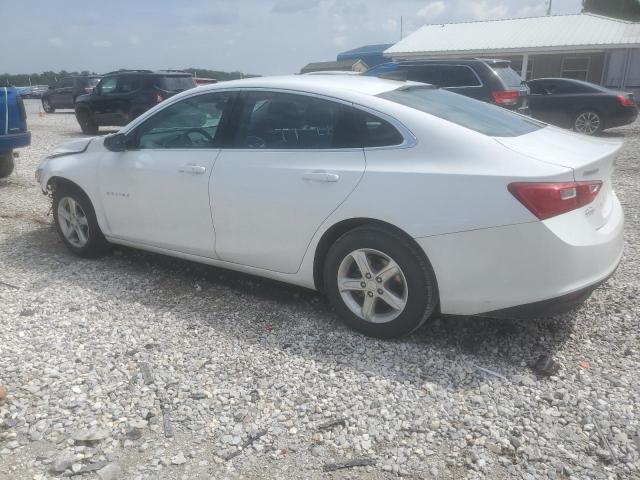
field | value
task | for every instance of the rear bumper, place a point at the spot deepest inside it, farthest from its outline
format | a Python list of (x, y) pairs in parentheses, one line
[(624, 117), (555, 261), (545, 308), (14, 140)]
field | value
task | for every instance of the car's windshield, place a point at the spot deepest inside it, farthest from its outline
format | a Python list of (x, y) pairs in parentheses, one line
[(479, 116), (92, 82), (176, 83)]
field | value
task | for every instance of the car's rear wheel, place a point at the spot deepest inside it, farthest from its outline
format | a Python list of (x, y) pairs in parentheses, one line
[(6, 164), (46, 106), (588, 122), (87, 124), (379, 283), (76, 222)]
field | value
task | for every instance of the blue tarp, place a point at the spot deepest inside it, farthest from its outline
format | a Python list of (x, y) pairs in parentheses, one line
[(369, 54)]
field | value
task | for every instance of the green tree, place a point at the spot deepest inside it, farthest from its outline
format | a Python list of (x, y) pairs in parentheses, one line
[(623, 9), (48, 78)]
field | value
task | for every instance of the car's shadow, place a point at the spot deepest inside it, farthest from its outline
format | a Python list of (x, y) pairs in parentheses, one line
[(447, 351)]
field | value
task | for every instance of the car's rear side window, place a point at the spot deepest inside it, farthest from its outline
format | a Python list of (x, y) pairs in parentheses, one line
[(479, 116), (509, 76), (176, 83), (443, 75)]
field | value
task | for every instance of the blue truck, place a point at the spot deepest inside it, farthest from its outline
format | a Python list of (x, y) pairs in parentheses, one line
[(13, 128)]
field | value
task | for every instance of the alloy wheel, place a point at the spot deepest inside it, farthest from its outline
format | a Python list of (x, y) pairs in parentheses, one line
[(372, 285), (73, 222), (587, 123)]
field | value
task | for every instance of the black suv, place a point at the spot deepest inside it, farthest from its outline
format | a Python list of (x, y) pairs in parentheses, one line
[(63, 93), (123, 95), (492, 81)]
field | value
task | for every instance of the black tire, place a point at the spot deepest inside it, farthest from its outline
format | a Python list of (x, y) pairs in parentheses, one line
[(6, 164), (422, 291), (86, 122), (46, 106), (96, 245), (585, 122)]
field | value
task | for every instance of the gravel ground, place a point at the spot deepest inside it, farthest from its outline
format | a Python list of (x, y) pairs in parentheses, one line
[(139, 366)]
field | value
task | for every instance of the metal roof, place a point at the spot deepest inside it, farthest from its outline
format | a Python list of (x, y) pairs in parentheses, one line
[(519, 35)]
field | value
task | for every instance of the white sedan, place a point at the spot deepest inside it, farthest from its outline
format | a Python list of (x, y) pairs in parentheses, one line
[(398, 200)]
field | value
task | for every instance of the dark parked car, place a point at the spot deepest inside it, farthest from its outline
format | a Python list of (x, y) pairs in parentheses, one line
[(582, 106), (63, 94), (492, 81), (13, 128), (123, 95)]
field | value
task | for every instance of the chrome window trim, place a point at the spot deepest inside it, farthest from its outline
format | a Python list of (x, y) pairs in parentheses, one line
[(409, 139)]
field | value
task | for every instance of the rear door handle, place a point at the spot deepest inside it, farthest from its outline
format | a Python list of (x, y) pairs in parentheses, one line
[(321, 177), (195, 169)]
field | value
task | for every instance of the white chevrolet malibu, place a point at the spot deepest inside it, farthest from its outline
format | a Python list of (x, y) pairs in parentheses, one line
[(398, 200)]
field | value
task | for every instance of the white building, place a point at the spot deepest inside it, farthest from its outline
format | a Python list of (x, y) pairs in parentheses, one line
[(584, 46)]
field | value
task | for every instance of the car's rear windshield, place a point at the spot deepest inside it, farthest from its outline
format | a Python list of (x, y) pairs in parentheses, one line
[(508, 75), (473, 114), (176, 83)]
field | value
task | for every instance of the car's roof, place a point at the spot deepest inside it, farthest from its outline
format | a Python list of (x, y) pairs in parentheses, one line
[(571, 80), (84, 76), (459, 61), (333, 85), (178, 73)]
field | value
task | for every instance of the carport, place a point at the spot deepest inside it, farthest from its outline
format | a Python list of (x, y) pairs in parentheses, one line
[(584, 46)]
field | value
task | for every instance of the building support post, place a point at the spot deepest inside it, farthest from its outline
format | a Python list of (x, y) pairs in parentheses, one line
[(525, 65)]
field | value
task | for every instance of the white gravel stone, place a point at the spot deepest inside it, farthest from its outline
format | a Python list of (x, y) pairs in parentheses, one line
[(127, 348)]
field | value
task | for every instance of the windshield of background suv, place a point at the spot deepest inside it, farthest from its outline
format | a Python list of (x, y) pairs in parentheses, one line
[(473, 114), (176, 83), (509, 76)]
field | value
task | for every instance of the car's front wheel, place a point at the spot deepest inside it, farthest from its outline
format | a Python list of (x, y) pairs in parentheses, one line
[(76, 222), (46, 106), (588, 122), (86, 122), (379, 283)]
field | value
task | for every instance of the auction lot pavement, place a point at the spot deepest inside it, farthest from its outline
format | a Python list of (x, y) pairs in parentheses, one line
[(139, 366)]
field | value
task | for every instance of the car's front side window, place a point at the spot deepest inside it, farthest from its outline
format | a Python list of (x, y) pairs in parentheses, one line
[(189, 123), (108, 85)]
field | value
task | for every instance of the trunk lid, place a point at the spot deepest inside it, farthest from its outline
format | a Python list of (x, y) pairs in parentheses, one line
[(590, 159)]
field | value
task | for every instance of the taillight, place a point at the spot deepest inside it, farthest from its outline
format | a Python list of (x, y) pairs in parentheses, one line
[(626, 101), (506, 97), (159, 98), (546, 200)]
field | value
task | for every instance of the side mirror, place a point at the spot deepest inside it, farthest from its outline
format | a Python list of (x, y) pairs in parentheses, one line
[(116, 142), (94, 90)]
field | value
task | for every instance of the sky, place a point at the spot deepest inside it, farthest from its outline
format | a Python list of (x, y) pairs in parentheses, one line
[(253, 36)]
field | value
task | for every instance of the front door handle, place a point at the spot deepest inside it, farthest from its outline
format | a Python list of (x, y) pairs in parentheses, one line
[(321, 177), (195, 169)]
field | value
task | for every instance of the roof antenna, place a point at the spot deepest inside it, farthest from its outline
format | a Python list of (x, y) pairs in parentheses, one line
[(549, 7)]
